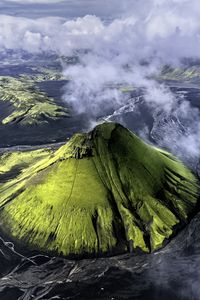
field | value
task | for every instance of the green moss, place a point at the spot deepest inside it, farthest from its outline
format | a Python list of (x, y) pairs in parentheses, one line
[(47, 74), (179, 74), (102, 192), (30, 105), (127, 89), (23, 159)]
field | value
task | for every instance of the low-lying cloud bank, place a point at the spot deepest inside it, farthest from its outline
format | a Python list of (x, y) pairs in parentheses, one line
[(152, 29), (34, 1), (126, 51)]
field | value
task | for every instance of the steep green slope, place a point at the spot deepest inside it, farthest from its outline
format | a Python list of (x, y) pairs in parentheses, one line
[(102, 192)]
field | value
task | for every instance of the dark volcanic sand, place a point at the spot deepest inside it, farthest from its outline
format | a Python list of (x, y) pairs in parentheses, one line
[(172, 273)]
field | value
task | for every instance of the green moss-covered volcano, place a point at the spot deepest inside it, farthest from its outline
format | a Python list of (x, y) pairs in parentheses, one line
[(102, 192)]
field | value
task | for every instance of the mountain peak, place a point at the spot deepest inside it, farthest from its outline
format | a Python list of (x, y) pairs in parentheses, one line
[(103, 192)]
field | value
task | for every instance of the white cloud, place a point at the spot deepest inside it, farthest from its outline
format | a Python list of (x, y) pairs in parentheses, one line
[(35, 1), (153, 31), (165, 29)]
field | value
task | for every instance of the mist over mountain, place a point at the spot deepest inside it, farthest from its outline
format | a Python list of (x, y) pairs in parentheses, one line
[(127, 46), (67, 66)]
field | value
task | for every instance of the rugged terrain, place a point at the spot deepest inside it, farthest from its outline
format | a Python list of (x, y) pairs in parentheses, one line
[(171, 272), (101, 193)]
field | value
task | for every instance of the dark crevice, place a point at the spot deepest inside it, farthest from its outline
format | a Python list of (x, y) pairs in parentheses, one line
[(52, 237), (160, 195), (129, 205), (170, 171), (173, 191), (118, 228), (95, 226)]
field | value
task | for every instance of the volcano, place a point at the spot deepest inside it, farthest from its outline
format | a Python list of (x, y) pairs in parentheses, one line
[(102, 193)]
